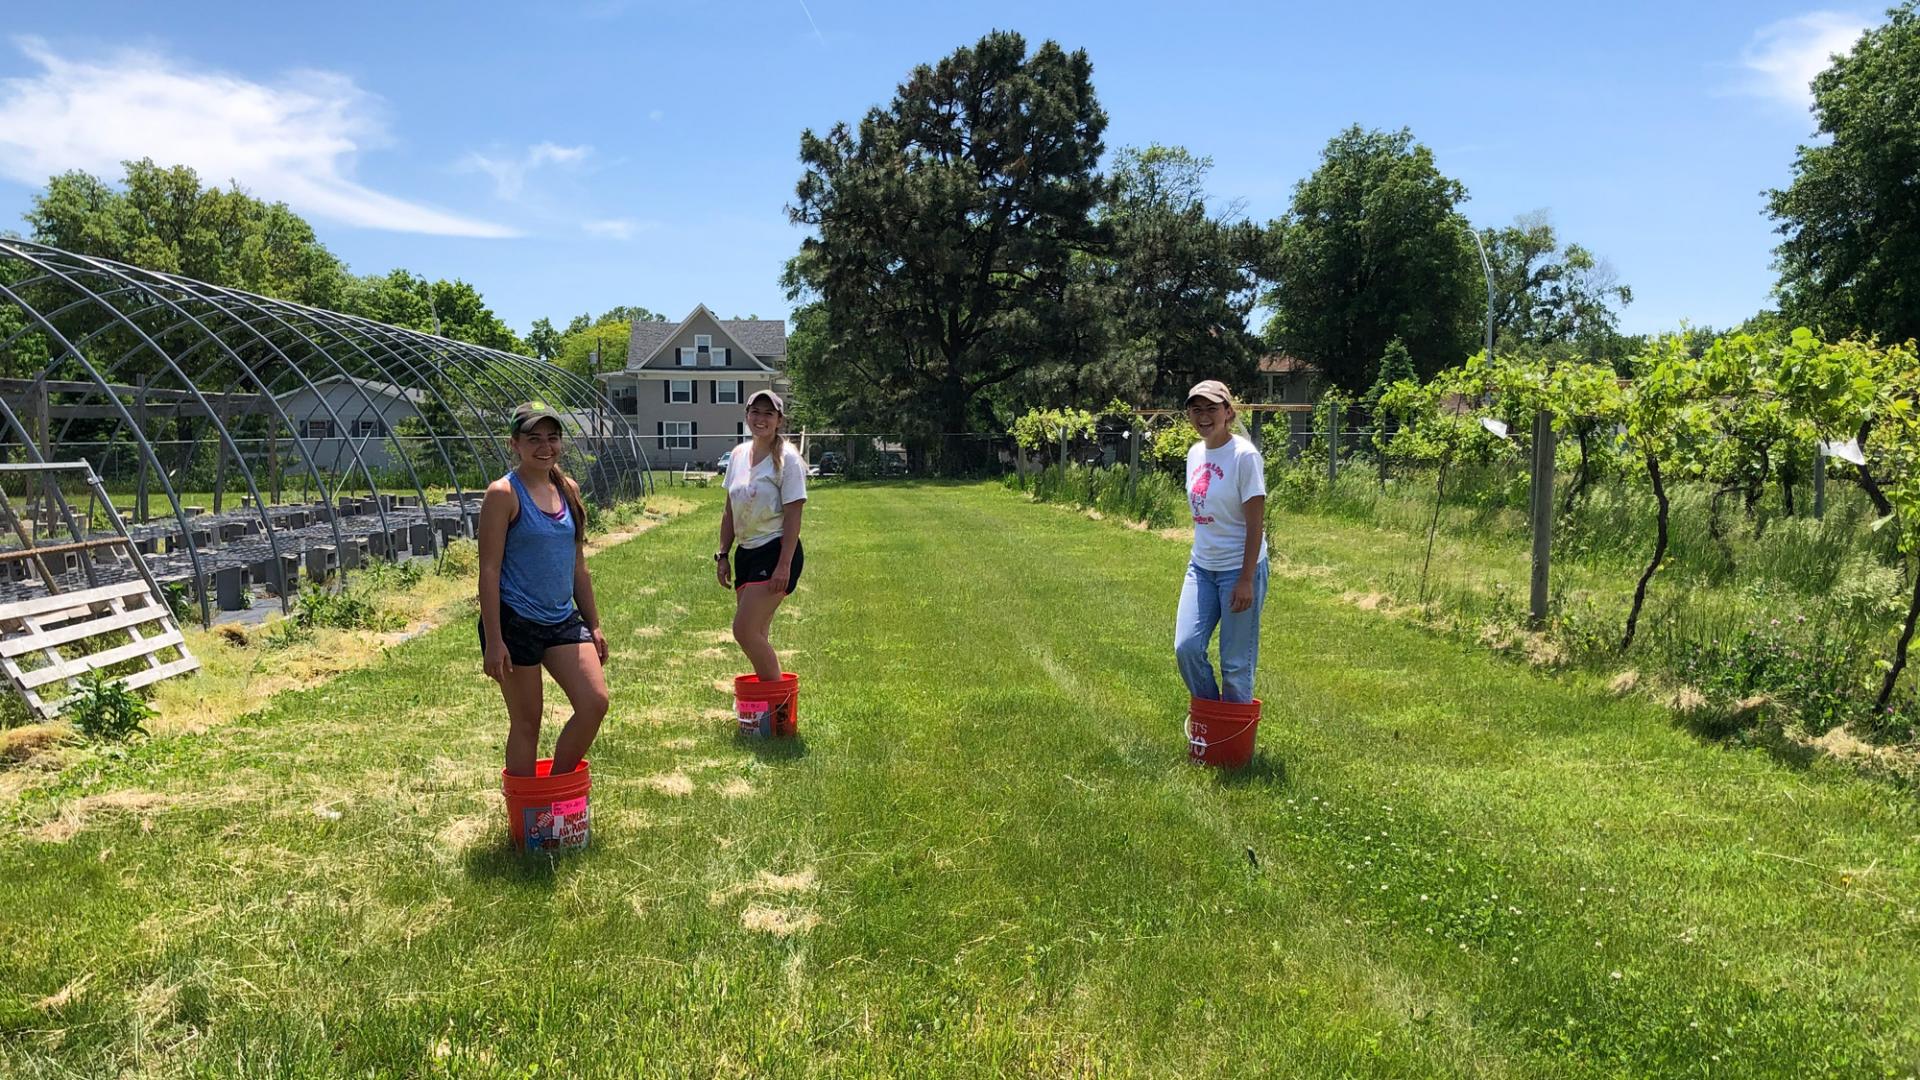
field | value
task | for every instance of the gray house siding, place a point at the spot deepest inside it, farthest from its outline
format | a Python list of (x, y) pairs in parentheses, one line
[(361, 420)]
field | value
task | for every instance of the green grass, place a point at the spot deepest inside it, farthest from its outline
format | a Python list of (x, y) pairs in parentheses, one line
[(998, 859)]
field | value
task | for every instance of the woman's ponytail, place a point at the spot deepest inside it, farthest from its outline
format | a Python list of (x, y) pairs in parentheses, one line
[(571, 493)]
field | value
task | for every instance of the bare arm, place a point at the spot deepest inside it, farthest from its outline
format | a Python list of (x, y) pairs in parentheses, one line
[(1256, 510), (790, 530)]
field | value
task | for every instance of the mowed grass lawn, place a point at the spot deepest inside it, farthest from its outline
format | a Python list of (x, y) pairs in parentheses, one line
[(986, 855)]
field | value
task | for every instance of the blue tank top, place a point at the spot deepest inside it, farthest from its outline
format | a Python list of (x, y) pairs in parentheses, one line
[(536, 571)]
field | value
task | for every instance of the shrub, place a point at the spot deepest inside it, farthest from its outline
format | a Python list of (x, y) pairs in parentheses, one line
[(106, 710)]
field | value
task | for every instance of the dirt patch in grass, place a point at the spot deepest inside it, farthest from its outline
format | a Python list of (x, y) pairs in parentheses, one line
[(77, 814), (780, 922), (736, 788), (682, 743), (767, 883), (714, 652), (1624, 683), (676, 784), (648, 632)]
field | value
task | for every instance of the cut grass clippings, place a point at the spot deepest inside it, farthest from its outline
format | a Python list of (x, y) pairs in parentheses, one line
[(985, 855)]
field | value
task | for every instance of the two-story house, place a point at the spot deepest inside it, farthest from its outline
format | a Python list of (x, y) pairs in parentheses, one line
[(685, 384)]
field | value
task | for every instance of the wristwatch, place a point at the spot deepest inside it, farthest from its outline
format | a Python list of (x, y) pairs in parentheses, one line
[(719, 556)]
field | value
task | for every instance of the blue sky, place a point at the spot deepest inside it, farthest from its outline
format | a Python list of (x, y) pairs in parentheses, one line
[(569, 156)]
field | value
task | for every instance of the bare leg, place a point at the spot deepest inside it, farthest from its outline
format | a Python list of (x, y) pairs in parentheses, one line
[(752, 619), (521, 689), (577, 669)]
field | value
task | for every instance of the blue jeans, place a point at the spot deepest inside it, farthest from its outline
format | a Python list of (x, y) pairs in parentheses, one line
[(1205, 602)]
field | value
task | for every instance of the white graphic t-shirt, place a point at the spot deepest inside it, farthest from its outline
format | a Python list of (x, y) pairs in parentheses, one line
[(1219, 483), (756, 500)]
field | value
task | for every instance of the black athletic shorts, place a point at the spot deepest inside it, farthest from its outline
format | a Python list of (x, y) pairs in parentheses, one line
[(527, 641), (756, 564)]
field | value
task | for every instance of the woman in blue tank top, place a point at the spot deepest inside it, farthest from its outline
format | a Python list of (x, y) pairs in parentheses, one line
[(536, 600)]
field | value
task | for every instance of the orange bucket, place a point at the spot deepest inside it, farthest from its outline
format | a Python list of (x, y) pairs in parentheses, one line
[(547, 812), (1220, 733), (767, 709)]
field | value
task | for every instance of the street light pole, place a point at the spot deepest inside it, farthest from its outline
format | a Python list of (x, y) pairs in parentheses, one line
[(1486, 268)]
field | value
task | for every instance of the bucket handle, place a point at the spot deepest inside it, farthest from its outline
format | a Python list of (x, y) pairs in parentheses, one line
[(1187, 730)]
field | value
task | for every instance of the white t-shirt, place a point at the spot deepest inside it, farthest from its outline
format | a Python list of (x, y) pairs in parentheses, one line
[(756, 500), (1219, 483)]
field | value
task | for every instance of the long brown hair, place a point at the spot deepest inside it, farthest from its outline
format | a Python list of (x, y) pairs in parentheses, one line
[(571, 492)]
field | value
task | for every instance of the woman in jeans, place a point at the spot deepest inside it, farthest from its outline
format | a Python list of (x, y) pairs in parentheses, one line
[(1226, 582)]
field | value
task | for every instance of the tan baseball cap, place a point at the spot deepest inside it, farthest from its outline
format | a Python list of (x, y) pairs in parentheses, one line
[(1212, 390), (772, 399)]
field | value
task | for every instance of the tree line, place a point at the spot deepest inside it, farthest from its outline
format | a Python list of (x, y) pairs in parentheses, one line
[(974, 253)]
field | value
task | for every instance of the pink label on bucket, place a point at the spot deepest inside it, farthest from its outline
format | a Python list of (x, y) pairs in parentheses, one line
[(754, 707), (571, 806)]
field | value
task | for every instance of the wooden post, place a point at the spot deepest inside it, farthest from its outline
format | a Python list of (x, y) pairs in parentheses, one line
[(1020, 464), (1063, 448), (140, 417), (219, 455), (1259, 421), (273, 458), (1819, 481), (1542, 492)]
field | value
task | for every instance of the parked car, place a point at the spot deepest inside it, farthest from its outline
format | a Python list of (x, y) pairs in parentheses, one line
[(720, 463), (831, 464), (892, 464)]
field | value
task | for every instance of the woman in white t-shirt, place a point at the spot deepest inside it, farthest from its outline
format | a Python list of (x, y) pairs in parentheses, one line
[(766, 482), (1226, 583)]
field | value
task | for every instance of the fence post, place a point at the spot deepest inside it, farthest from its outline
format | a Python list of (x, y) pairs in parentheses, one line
[(1333, 441), (1542, 492), (1133, 459), (1063, 448), (1259, 419), (1020, 463), (1819, 481)]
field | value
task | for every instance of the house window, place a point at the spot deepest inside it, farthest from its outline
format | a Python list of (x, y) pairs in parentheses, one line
[(366, 429), (726, 392), (680, 391), (319, 429), (679, 434), (687, 357), (703, 343), (721, 357)]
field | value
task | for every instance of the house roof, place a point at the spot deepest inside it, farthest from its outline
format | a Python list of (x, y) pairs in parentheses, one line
[(371, 386), (1282, 364), (759, 337)]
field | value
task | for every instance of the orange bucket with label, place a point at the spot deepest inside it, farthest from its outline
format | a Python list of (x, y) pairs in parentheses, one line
[(547, 812), (767, 709), (1220, 733)]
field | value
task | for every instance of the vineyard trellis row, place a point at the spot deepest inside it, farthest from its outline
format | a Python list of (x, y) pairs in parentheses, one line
[(1746, 411)]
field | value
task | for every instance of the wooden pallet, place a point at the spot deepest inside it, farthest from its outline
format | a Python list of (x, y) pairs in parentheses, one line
[(45, 624)]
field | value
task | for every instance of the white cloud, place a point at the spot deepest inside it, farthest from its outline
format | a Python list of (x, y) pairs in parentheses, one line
[(1783, 57), (510, 173), (617, 228), (296, 141)]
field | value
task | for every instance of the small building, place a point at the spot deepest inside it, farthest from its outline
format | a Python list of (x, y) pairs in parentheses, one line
[(1289, 380), (685, 384), (341, 415)]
